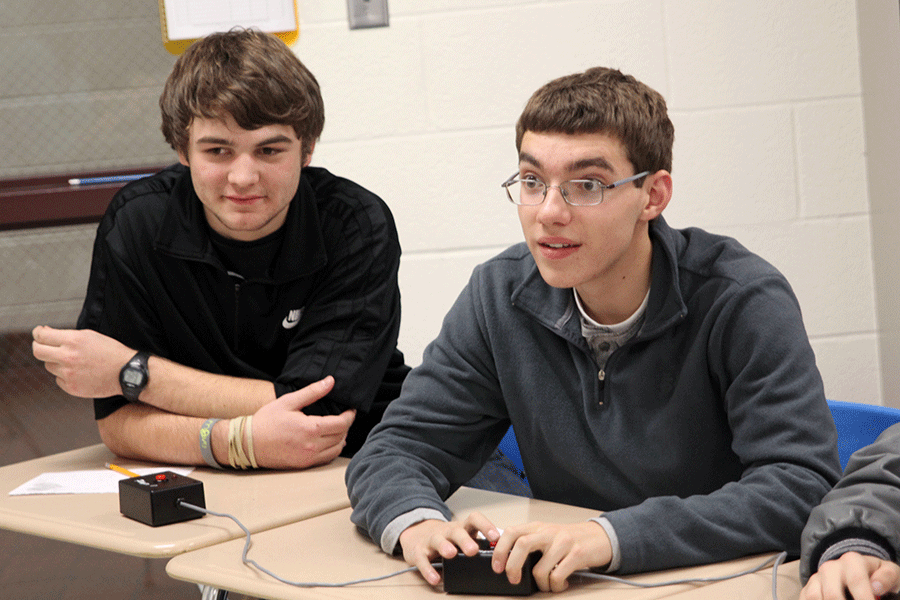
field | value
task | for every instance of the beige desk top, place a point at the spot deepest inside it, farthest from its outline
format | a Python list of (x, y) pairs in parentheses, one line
[(328, 548), (262, 500), (756, 586)]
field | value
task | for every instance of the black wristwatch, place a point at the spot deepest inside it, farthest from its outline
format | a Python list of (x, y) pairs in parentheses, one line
[(134, 376)]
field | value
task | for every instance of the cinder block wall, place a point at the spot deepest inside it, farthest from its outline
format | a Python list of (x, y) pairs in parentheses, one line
[(767, 104), (78, 92)]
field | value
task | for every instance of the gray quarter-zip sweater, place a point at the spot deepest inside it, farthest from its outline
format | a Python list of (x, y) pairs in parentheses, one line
[(707, 438)]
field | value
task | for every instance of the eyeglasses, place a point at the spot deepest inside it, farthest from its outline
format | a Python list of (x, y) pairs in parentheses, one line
[(530, 190)]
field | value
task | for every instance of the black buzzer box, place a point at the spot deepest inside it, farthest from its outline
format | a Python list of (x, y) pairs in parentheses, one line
[(153, 499), (474, 575)]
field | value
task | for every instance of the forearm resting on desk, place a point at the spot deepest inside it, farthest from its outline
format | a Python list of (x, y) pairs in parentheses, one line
[(143, 432), (283, 436)]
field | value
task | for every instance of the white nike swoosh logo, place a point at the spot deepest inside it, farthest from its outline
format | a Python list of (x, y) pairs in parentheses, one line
[(292, 319)]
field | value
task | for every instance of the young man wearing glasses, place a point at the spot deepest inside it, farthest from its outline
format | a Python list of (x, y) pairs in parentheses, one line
[(663, 376)]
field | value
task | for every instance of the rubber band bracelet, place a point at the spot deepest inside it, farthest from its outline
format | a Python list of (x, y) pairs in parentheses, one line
[(206, 443)]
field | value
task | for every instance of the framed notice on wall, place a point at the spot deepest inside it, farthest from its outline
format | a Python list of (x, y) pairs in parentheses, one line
[(184, 21)]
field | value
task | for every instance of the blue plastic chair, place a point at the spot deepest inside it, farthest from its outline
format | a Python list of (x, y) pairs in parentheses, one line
[(504, 471), (858, 425), (510, 449)]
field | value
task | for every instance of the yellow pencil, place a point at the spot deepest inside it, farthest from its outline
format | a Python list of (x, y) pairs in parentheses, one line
[(121, 470)]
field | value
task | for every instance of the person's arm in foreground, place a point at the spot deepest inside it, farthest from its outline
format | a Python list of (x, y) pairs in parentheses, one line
[(852, 538), (863, 576)]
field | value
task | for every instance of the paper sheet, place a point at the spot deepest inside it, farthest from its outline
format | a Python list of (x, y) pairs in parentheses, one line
[(192, 19), (99, 481)]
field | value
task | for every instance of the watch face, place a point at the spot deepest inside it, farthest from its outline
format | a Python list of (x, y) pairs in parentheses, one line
[(132, 377)]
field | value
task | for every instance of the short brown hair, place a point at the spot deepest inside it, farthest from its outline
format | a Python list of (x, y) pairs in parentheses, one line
[(603, 100), (250, 75)]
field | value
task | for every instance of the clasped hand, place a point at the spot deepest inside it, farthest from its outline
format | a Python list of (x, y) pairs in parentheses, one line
[(286, 438), (566, 548)]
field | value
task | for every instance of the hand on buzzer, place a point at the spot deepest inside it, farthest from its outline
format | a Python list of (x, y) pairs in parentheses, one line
[(565, 548)]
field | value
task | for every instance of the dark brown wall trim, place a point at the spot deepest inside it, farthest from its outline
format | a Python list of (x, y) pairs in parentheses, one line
[(52, 200)]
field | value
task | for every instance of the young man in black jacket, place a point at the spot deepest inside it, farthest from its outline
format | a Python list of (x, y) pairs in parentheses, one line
[(242, 307)]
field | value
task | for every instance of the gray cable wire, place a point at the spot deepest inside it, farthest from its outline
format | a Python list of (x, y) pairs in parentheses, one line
[(250, 561), (777, 561)]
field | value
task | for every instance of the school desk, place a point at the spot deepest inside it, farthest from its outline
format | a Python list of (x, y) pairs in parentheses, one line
[(329, 548), (263, 499)]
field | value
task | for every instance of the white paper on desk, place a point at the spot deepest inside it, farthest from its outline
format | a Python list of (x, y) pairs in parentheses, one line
[(95, 481)]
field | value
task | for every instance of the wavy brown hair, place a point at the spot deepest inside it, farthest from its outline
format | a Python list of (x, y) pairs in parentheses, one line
[(250, 75)]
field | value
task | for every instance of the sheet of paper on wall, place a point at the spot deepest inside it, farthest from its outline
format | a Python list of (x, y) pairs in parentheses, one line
[(98, 481), (194, 19)]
